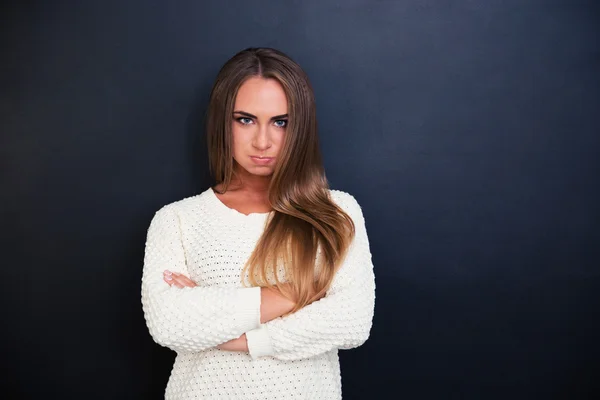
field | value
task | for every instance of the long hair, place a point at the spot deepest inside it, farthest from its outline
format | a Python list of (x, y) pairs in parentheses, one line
[(308, 235)]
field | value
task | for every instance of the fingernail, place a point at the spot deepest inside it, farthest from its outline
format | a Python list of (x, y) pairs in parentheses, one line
[(169, 278), (167, 272)]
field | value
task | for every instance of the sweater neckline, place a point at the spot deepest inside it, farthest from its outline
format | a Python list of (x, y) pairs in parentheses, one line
[(232, 211)]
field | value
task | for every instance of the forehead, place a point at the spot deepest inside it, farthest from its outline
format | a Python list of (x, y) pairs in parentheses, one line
[(261, 97)]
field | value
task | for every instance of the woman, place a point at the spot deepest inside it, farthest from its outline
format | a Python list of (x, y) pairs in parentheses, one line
[(258, 281)]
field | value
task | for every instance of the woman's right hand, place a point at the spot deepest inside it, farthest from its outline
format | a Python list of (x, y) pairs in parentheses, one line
[(179, 280)]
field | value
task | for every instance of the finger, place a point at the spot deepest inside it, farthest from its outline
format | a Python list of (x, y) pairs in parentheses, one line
[(173, 279), (167, 277), (177, 279), (177, 282), (184, 280)]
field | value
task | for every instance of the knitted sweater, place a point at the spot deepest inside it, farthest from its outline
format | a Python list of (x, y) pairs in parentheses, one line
[(292, 357)]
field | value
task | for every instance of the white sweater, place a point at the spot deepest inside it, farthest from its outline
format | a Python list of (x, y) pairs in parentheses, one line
[(294, 357)]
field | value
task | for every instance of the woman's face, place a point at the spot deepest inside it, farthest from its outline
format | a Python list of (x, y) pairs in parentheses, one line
[(260, 118)]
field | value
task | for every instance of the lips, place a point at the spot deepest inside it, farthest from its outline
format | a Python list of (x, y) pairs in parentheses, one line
[(262, 160)]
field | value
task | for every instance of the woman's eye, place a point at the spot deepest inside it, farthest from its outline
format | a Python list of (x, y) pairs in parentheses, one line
[(281, 123), (245, 121)]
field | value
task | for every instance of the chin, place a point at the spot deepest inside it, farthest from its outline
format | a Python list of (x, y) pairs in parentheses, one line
[(260, 171), (257, 170)]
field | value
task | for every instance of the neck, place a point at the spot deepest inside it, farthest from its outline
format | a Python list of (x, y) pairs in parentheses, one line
[(244, 181)]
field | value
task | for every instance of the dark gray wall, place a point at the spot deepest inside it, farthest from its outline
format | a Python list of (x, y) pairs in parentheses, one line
[(467, 130)]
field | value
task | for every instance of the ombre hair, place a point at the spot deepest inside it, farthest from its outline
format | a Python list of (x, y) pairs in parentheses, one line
[(308, 234)]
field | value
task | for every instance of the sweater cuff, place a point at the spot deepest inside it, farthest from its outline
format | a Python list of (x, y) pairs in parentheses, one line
[(259, 342), (248, 314)]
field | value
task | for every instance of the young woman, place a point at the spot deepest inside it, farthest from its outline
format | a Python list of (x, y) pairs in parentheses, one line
[(258, 281)]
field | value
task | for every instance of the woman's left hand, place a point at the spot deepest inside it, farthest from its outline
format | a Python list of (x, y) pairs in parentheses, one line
[(239, 344)]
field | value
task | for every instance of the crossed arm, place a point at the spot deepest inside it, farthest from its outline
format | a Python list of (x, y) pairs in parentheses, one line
[(272, 305), (186, 317)]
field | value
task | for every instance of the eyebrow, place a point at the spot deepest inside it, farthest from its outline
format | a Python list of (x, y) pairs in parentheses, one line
[(282, 116)]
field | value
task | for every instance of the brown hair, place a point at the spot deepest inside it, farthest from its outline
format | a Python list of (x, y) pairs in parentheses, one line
[(308, 234)]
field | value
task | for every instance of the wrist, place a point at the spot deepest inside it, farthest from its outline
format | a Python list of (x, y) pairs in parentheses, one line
[(274, 304), (243, 342)]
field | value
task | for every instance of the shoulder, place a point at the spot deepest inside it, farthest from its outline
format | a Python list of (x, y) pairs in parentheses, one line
[(348, 203), (193, 203), (343, 199)]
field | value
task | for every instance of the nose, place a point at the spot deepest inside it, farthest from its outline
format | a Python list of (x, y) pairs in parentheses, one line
[(261, 140)]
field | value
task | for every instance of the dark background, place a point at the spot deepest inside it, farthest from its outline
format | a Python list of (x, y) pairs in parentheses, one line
[(467, 130)]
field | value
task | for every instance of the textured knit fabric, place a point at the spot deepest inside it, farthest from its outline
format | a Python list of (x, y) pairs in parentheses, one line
[(292, 357)]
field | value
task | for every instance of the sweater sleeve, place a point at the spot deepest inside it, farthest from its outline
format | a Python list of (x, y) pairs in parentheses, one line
[(189, 319), (340, 320)]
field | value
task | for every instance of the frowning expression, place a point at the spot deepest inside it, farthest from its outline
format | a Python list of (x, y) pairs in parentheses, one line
[(259, 122)]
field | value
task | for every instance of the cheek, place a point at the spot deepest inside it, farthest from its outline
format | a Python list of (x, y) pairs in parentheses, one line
[(277, 137), (238, 138)]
